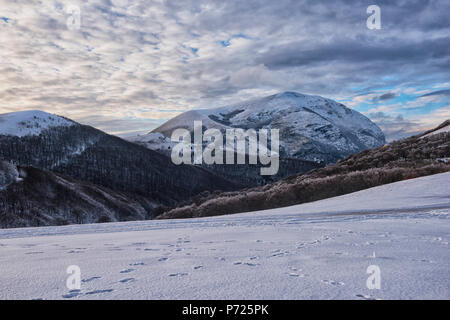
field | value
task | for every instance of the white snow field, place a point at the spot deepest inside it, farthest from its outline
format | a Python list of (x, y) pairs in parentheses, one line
[(318, 250)]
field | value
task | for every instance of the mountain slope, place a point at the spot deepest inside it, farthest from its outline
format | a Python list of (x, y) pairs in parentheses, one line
[(87, 154), (314, 131), (405, 159), (34, 197), (311, 127)]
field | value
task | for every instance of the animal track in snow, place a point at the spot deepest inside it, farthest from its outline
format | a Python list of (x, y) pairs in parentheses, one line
[(365, 297), (297, 275), (220, 258), (139, 243), (179, 274), (127, 270), (333, 283), (251, 264), (90, 279), (99, 291), (72, 294)]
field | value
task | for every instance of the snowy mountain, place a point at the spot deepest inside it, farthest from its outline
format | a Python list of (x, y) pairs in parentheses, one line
[(319, 250), (30, 123), (311, 127), (49, 142)]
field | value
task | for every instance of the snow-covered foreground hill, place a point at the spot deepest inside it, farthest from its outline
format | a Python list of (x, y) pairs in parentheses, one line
[(318, 250)]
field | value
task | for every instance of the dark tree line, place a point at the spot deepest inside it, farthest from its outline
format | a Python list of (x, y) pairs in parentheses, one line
[(44, 198)]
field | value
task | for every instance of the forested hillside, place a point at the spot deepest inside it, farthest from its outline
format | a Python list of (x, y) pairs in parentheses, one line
[(34, 197), (87, 154)]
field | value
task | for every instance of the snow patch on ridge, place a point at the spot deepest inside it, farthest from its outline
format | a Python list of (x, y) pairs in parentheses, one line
[(30, 123)]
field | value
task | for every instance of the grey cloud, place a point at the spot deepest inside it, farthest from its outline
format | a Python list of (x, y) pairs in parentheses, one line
[(384, 97), (356, 51), (438, 93)]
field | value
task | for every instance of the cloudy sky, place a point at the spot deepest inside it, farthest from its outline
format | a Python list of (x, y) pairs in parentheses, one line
[(129, 65)]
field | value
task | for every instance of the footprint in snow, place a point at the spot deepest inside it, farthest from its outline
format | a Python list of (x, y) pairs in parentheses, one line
[(276, 253), (220, 258), (333, 283), (296, 275), (127, 280), (279, 254), (180, 274), (427, 261), (139, 243), (99, 291), (29, 245), (198, 267), (127, 270), (251, 264), (90, 279), (115, 249), (365, 297), (72, 294), (137, 264), (163, 259)]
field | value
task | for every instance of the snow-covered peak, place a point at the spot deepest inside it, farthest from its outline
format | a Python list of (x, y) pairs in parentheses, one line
[(311, 127), (29, 123)]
